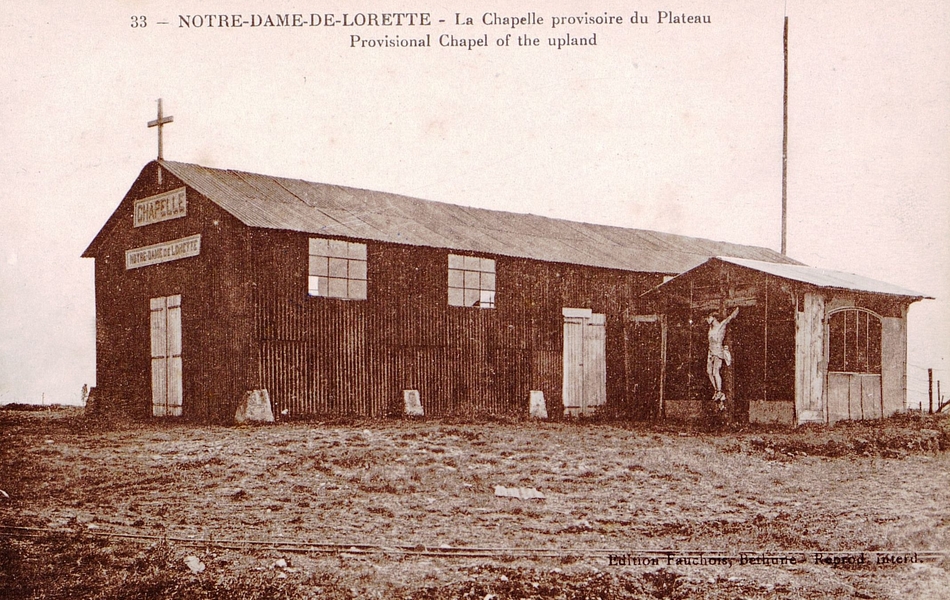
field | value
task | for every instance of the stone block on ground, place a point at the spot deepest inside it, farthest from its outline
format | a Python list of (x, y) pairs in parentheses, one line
[(537, 407), (255, 407), (412, 403), (522, 493), (194, 563)]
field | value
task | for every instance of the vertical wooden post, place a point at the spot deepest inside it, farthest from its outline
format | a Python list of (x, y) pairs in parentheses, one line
[(785, 143), (629, 388), (765, 360), (689, 353), (728, 375), (662, 365), (729, 389), (930, 389)]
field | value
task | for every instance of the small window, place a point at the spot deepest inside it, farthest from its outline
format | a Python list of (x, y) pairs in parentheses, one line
[(854, 342), (337, 269), (471, 281)]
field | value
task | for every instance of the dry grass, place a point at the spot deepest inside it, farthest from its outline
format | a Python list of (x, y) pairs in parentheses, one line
[(857, 487)]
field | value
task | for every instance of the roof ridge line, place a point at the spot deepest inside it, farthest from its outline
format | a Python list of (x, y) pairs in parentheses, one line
[(657, 232)]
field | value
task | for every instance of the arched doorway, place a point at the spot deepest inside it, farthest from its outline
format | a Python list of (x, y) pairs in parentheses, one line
[(853, 338)]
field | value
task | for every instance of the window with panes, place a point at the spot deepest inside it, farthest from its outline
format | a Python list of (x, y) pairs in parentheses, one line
[(337, 269), (471, 281)]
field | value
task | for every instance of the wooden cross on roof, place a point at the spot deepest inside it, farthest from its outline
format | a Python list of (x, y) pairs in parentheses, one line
[(160, 122)]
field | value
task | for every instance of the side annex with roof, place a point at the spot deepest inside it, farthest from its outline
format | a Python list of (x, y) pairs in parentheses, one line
[(210, 283)]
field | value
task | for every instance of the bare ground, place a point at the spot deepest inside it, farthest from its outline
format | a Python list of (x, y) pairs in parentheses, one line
[(407, 509)]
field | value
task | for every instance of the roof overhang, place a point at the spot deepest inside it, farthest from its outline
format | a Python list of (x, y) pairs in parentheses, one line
[(803, 274)]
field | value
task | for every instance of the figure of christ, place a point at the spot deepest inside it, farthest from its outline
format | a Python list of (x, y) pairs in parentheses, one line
[(718, 353)]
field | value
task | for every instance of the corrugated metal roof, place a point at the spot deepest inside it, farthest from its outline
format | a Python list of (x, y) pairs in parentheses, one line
[(824, 278), (332, 210)]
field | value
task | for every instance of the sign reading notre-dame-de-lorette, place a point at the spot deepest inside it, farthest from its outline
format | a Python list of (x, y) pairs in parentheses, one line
[(154, 209), (163, 252)]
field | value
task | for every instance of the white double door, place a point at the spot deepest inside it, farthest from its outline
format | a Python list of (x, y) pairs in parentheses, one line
[(165, 320), (585, 361)]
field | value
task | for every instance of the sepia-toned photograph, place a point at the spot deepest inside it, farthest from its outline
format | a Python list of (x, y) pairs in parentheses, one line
[(534, 300)]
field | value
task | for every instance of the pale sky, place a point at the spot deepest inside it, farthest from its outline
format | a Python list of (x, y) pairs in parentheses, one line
[(672, 127)]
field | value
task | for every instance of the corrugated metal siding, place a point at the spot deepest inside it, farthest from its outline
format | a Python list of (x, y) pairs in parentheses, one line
[(248, 322), (330, 356), (217, 341)]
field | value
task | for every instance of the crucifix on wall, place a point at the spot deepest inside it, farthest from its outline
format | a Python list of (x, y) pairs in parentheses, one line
[(718, 354), (160, 122)]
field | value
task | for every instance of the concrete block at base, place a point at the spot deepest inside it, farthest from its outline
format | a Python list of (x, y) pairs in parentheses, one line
[(412, 403), (772, 411), (683, 410), (538, 409), (255, 407)]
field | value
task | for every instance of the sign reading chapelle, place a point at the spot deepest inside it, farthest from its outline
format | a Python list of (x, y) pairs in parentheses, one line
[(163, 207), (163, 252), (155, 209)]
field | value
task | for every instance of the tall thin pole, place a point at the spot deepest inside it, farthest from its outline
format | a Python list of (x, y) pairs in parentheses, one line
[(785, 146), (930, 389)]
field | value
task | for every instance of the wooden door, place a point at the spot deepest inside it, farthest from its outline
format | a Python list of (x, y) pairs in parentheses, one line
[(166, 356), (854, 396), (585, 361), (644, 340), (854, 365)]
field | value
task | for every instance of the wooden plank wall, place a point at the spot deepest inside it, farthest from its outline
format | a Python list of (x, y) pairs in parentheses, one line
[(761, 340), (809, 354), (894, 367)]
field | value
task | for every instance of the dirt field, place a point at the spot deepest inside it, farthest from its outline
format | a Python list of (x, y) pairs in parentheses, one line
[(396, 509)]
